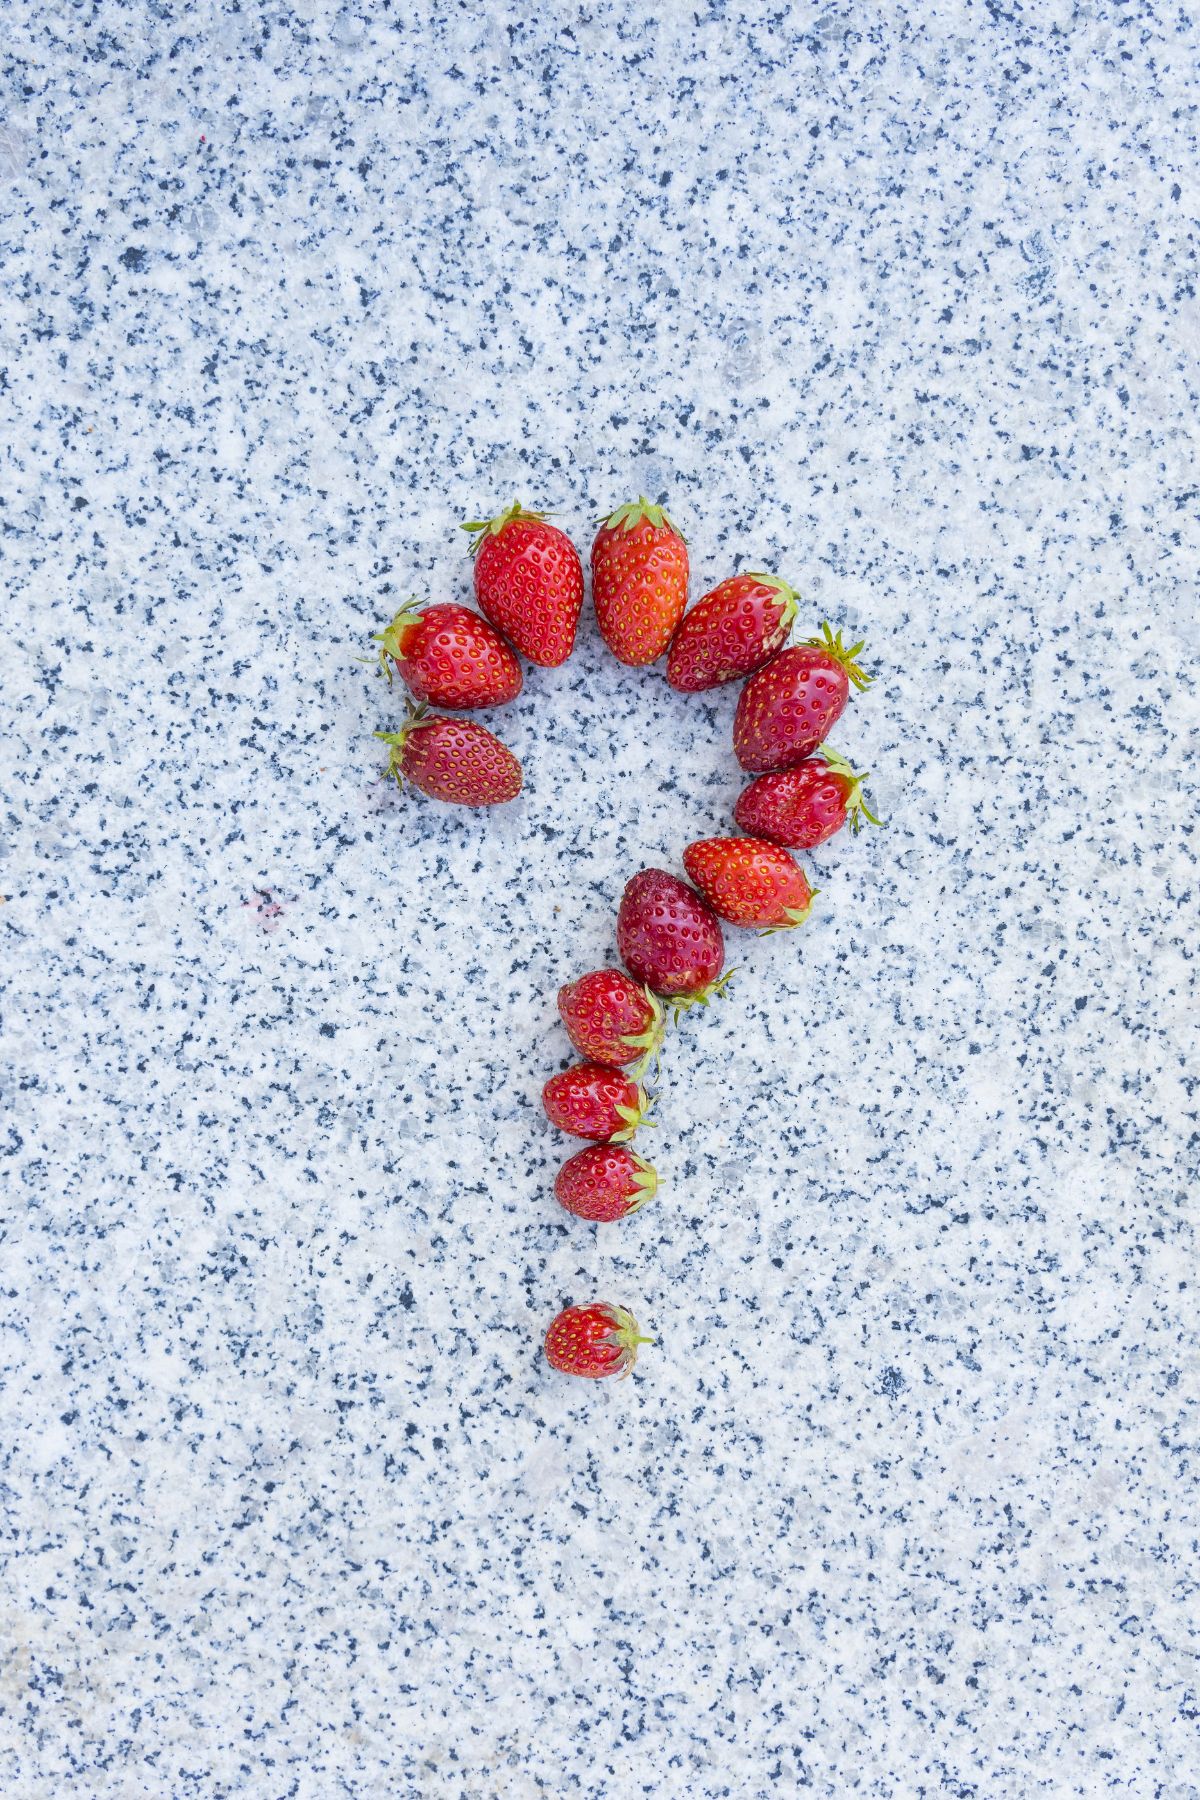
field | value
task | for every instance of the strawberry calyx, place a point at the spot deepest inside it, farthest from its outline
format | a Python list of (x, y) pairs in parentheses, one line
[(650, 1041), (625, 1336), (481, 529), (831, 643), (701, 996), (626, 518), (856, 804), (646, 1179), (793, 916), (396, 740), (783, 591), (393, 637), (635, 1117)]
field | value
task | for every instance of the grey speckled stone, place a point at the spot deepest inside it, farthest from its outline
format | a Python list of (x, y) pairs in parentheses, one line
[(899, 301)]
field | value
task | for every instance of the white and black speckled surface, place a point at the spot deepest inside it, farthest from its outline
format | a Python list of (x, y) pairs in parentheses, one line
[(899, 302)]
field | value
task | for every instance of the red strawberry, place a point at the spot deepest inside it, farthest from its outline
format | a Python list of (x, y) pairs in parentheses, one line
[(639, 582), (750, 882), (591, 1101), (452, 759), (610, 1019), (669, 939), (594, 1340), (731, 632), (528, 582), (449, 656), (792, 705), (604, 1183), (806, 805)]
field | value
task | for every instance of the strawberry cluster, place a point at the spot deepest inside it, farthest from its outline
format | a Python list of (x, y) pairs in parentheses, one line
[(529, 587)]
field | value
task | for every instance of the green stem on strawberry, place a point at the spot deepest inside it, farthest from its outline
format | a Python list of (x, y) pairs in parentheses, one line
[(397, 740), (787, 595), (646, 1179), (650, 1041), (627, 517), (392, 638), (681, 1003), (794, 915), (831, 643), (627, 1337), (635, 1117), (485, 528), (856, 804)]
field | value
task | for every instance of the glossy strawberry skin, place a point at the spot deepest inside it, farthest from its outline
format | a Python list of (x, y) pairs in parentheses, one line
[(668, 938), (456, 760), (730, 632), (639, 582), (591, 1101), (804, 806), (604, 1183), (594, 1341), (449, 656), (609, 1018), (529, 583), (750, 882)]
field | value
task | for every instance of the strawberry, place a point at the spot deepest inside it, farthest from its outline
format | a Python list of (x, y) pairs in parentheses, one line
[(669, 939), (639, 582), (591, 1101), (806, 805), (452, 759), (750, 882), (528, 582), (792, 704), (610, 1019), (449, 656), (605, 1182), (731, 631), (594, 1340)]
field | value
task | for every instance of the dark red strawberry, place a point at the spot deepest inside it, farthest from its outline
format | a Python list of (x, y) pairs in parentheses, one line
[(639, 582), (792, 704), (804, 806), (610, 1019), (528, 582), (669, 939), (449, 656), (452, 759), (591, 1101), (750, 882), (731, 631), (604, 1183), (594, 1340)]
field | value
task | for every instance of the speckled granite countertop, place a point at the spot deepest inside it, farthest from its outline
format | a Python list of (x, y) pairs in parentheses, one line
[(903, 1502)]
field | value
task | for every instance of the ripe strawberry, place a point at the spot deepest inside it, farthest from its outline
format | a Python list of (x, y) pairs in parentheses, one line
[(639, 582), (792, 704), (449, 656), (528, 582), (604, 1183), (750, 882), (591, 1101), (731, 631), (669, 939), (594, 1340), (452, 759), (610, 1019), (806, 805)]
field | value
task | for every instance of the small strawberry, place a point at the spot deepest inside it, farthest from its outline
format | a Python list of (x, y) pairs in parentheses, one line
[(639, 582), (610, 1019), (669, 939), (792, 704), (594, 1340), (804, 806), (606, 1182), (750, 882), (590, 1101), (731, 631), (528, 582), (449, 656), (452, 759)]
